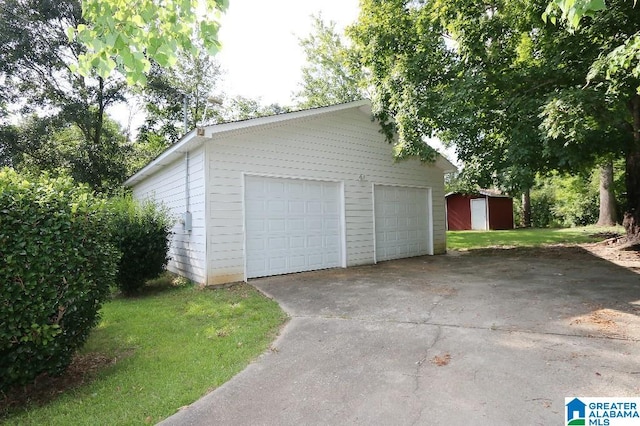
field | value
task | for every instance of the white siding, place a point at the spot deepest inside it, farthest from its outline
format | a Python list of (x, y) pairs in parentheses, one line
[(167, 187), (339, 146)]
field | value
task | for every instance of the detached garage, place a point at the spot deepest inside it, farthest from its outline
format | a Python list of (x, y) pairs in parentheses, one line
[(481, 211), (294, 192)]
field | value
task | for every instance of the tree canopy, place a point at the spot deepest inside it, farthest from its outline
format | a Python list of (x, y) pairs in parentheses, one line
[(127, 35), (332, 73), (498, 82), (37, 78)]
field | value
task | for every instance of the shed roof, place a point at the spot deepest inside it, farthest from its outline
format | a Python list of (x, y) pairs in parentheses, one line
[(197, 137), (494, 193)]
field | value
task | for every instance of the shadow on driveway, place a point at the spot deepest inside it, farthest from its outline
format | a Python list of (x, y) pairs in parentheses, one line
[(489, 337)]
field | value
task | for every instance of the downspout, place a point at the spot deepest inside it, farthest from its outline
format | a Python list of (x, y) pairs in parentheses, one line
[(187, 197)]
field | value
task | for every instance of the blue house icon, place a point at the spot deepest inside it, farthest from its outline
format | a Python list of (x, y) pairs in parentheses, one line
[(573, 406)]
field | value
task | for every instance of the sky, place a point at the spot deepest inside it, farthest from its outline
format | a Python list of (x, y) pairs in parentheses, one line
[(260, 56), (260, 50)]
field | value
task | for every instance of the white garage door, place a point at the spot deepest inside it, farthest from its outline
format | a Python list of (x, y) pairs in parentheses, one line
[(402, 219), (292, 225)]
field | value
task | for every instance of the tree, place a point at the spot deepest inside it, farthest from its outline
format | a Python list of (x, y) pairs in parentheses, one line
[(127, 35), (615, 73), (36, 61), (329, 76), (54, 145), (407, 64), (193, 80), (241, 108), (607, 214), (484, 91)]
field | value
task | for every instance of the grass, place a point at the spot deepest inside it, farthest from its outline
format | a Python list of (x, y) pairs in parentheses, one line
[(528, 237), (164, 351)]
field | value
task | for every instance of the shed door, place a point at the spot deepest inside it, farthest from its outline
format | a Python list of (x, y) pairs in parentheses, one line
[(479, 214), (292, 225), (402, 222)]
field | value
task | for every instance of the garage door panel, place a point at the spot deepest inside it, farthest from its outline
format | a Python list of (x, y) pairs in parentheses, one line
[(401, 222), (297, 261), (275, 206), (295, 190), (296, 207), (303, 228), (295, 225), (332, 208), (276, 225), (256, 225), (332, 225)]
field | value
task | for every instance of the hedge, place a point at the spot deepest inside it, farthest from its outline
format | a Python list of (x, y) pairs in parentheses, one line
[(57, 268)]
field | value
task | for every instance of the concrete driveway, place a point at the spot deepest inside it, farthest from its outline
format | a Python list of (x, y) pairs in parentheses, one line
[(499, 337)]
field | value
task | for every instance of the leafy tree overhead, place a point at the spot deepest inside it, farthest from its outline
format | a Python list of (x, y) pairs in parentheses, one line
[(408, 63), (332, 74), (486, 77), (127, 35)]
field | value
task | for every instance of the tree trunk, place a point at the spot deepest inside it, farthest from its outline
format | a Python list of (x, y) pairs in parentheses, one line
[(526, 209), (631, 220), (607, 215)]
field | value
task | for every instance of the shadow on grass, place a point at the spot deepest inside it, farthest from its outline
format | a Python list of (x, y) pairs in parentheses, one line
[(166, 282)]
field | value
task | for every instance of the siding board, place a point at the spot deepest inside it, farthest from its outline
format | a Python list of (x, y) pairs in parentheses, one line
[(187, 251)]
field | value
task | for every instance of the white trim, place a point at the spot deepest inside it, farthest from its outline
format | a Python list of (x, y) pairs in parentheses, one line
[(430, 211), (487, 226), (343, 224), (209, 131), (373, 214), (277, 176), (243, 187), (207, 212)]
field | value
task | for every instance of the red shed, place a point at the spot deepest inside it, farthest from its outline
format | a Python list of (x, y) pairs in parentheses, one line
[(485, 210)]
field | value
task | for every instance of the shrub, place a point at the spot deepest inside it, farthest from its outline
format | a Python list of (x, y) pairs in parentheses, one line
[(56, 269), (141, 232)]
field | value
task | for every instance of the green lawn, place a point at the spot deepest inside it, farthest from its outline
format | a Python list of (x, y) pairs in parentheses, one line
[(166, 349), (529, 237)]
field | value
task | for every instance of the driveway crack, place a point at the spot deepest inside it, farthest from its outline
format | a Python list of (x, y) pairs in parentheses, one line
[(491, 328)]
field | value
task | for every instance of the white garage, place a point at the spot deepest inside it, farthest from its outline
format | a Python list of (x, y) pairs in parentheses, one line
[(402, 222), (294, 192), (292, 225)]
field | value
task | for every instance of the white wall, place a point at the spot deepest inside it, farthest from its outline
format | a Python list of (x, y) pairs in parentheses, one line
[(337, 146), (188, 249)]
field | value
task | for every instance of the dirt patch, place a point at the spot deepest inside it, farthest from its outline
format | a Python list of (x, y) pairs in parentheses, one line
[(602, 320), (83, 369), (441, 360), (611, 251)]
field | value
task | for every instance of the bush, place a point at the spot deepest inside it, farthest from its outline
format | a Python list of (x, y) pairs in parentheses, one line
[(56, 269), (141, 232)]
